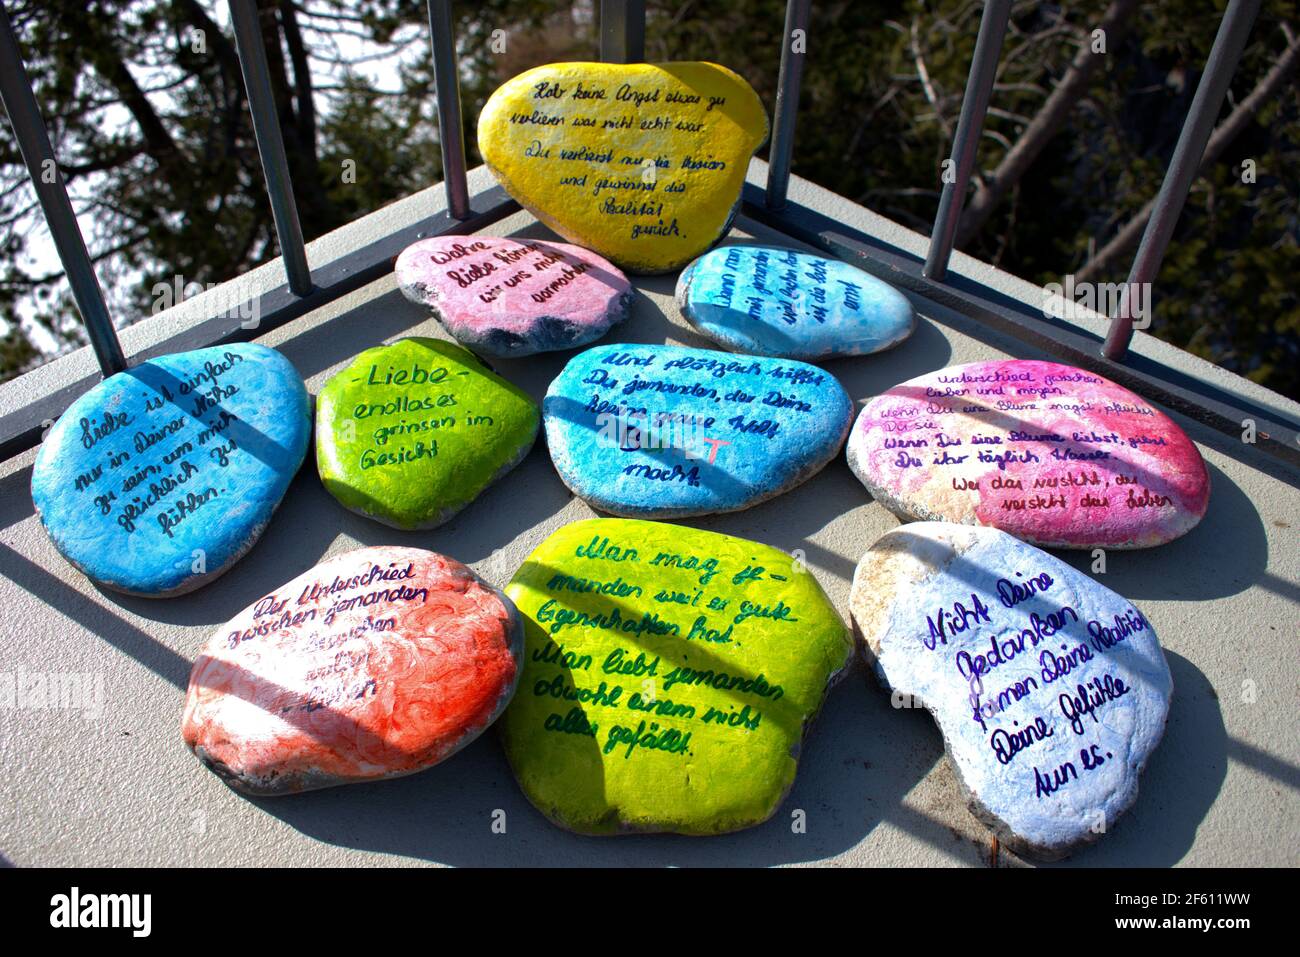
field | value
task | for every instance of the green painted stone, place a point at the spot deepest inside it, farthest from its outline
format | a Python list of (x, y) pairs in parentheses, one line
[(410, 433), (669, 674)]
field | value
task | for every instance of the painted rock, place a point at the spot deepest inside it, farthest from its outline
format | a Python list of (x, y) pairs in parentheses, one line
[(374, 664), (1050, 690), (654, 431), (668, 678), (410, 433), (506, 297), (641, 162), (161, 477), (1052, 454), (779, 302)]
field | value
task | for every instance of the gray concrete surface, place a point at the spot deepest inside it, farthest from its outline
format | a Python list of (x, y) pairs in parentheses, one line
[(121, 789)]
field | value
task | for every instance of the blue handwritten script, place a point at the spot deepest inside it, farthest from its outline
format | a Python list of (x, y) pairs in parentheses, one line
[(1039, 676), (765, 300), (658, 431), (160, 477)]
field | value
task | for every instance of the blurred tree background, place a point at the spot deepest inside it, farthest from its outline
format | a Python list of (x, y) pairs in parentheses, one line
[(145, 104)]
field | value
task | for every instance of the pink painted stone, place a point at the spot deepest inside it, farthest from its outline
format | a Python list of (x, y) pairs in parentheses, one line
[(374, 664), (1055, 455), (508, 297)]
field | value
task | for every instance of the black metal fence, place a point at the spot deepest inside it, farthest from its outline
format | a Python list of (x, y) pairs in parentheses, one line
[(622, 39)]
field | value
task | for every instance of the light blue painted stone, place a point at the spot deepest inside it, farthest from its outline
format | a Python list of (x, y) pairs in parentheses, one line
[(656, 431), (778, 302), (161, 477)]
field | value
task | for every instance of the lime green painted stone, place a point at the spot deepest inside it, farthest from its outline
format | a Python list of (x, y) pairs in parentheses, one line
[(668, 677), (410, 433)]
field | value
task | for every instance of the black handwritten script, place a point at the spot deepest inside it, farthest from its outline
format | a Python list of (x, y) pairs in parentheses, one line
[(650, 642), (1035, 445), (796, 287), (397, 410), (661, 423), (1040, 675), (158, 457), (375, 663), (643, 155), (322, 625), (491, 270)]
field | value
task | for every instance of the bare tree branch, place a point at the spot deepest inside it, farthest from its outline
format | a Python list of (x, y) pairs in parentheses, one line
[(1223, 135), (919, 59), (1045, 125)]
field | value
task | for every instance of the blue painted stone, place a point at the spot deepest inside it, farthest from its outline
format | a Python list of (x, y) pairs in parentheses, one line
[(656, 431), (161, 477), (778, 302)]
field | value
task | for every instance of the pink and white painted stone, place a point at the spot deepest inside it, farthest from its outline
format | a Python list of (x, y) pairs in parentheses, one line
[(508, 297), (375, 664), (1055, 455)]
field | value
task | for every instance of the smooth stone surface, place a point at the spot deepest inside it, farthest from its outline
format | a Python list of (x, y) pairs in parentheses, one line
[(504, 297), (161, 477), (1051, 690), (410, 433), (669, 677), (641, 162), (770, 301), (374, 664), (657, 431), (1052, 454)]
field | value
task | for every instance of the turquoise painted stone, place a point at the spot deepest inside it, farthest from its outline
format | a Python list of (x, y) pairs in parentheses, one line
[(161, 477), (779, 302), (655, 431)]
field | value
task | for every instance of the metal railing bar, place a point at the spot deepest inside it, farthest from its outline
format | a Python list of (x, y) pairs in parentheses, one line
[(47, 179), (787, 101), (270, 143), (986, 309), (21, 429), (622, 31), (451, 133), (1234, 29), (970, 124)]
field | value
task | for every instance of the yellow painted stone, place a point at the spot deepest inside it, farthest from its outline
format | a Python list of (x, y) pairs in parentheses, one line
[(670, 674), (642, 163)]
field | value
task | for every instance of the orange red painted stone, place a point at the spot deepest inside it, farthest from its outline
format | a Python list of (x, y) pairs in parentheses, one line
[(375, 664)]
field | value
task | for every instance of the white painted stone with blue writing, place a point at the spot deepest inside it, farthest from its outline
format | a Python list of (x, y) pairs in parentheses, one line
[(1051, 690), (778, 302), (657, 431), (161, 477)]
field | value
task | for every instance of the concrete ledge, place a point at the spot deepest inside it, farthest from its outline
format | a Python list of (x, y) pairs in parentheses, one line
[(121, 789)]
